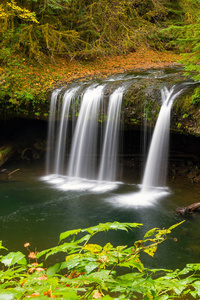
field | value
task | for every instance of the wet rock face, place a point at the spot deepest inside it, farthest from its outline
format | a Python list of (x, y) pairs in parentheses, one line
[(142, 103), (141, 100)]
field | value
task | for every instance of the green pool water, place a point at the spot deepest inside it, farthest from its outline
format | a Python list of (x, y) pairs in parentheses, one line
[(35, 211)]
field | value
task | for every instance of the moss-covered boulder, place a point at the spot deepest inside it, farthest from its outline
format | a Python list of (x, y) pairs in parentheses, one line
[(6, 152)]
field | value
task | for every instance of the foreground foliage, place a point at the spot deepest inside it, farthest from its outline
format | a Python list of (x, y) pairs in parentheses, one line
[(91, 271)]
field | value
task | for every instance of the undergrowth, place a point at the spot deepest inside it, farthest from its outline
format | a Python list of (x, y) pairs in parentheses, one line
[(91, 271)]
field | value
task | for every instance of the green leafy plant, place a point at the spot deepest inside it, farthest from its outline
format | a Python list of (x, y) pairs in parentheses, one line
[(185, 116), (196, 97), (76, 28), (92, 271), (185, 37)]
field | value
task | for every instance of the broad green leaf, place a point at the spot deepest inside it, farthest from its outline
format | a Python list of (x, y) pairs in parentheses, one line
[(65, 234), (54, 269), (41, 253), (107, 247), (66, 295), (66, 247), (164, 297), (134, 264), (168, 276), (73, 261), (98, 277), (193, 267), (13, 258), (121, 248), (173, 284), (7, 295), (91, 266), (78, 260), (131, 282), (2, 247), (194, 294), (196, 286), (129, 277), (114, 226), (83, 239), (160, 270), (185, 271)]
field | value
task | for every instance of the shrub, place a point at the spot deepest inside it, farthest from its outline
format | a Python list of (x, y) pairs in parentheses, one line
[(92, 271)]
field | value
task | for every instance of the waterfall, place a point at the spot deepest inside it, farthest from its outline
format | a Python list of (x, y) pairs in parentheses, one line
[(87, 137), (156, 165), (89, 168), (108, 163), (58, 109), (82, 163), (62, 132), (51, 130), (154, 179)]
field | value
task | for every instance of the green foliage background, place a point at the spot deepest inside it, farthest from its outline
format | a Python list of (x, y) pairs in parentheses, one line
[(185, 36), (78, 28)]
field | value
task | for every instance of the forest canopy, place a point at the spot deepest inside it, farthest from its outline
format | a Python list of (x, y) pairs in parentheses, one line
[(83, 29)]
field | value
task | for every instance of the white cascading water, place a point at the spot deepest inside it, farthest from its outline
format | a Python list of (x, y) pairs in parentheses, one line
[(62, 131), (83, 171), (51, 130), (83, 156), (154, 179), (108, 165), (82, 162), (156, 165)]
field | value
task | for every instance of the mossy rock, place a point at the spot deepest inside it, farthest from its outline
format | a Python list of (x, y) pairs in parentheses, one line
[(141, 102), (6, 152)]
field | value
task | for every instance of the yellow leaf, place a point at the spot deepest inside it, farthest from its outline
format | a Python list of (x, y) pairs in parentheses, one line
[(151, 251), (93, 248)]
